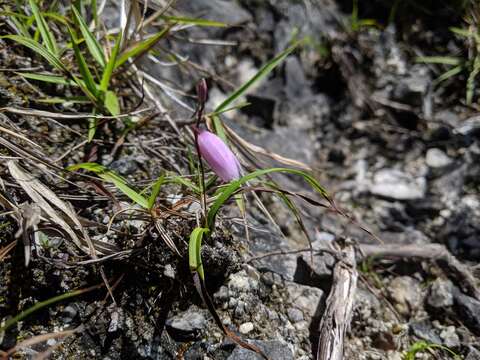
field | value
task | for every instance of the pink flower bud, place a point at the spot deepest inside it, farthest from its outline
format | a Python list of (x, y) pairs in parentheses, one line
[(202, 91), (218, 156)]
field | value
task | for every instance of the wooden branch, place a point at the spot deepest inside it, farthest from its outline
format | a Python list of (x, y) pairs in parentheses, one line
[(339, 306), (458, 272)]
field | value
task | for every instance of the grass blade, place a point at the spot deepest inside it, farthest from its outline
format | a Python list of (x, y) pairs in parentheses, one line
[(157, 185), (47, 35), (118, 181), (111, 103), (448, 74), (42, 304), (141, 48), (93, 45), (176, 179), (21, 28), (92, 129), (107, 73), (53, 59), (54, 79), (235, 185), (193, 21), (82, 66), (471, 80), (264, 71), (444, 60), (194, 251)]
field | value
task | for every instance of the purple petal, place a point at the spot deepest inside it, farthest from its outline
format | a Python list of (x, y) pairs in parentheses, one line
[(218, 156)]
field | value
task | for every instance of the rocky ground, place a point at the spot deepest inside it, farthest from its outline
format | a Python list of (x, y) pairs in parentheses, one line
[(397, 151)]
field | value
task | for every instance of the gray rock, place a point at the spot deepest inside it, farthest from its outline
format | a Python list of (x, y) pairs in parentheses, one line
[(436, 158), (411, 89), (245, 328), (397, 185), (441, 293), (241, 282), (191, 320), (294, 314), (69, 313), (469, 309), (229, 12), (450, 337), (297, 85), (273, 349), (473, 354), (124, 166), (424, 330), (305, 298), (406, 293)]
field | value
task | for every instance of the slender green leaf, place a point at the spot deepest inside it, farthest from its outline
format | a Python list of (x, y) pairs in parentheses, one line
[(264, 71), (42, 304), (107, 73), (81, 84), (93, 45), (47, 36), (466, 33), (420, 346), (57, 17), (95, 13), (235, 185), (48, 78), (176, 179), (39, 49), (445, 60), (92, 128), (471, 80), (82, 66), (13, 14), (17, 21), (157, 185), (448, 74), (111, 103), (235, 107), (141, 48), (240, 201), (194, 251), (65, 100), (110, 176), (193, 21)]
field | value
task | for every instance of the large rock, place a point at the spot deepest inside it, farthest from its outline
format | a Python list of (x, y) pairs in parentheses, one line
[(398, 185), (229, 12), (273, 349), (406, 293), (187, 325), (469, 309), (441, 294)]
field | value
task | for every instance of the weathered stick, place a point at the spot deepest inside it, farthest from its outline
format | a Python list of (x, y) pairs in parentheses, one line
[(436, 252), (339, 306)]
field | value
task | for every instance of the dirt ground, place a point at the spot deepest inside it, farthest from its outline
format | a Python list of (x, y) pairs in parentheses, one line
[(379, 100)]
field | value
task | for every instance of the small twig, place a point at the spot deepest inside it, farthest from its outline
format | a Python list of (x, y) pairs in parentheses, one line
[(290, 252), (41, 338), (436, 252), (339, 307)]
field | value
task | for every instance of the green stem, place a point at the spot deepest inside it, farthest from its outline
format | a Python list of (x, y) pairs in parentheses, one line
[(45, 303)]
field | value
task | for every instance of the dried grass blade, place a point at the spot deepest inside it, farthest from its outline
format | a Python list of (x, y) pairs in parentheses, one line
[(39, 193), (20, 136), (41, 338), (260, 150), (166, 237)]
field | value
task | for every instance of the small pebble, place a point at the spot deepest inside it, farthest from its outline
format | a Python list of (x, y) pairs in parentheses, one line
[(245, 328)]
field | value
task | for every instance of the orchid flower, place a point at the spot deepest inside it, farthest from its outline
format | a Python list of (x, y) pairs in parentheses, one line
[(217, 155)]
